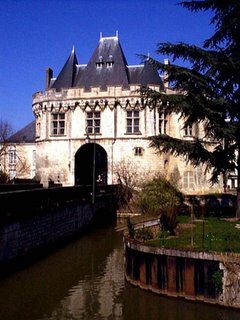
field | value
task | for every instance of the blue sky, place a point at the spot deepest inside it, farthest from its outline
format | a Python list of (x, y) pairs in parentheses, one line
[(36, 34)]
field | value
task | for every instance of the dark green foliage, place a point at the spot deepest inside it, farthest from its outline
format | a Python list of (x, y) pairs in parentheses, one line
[(168, 221), (144, 234), (159, 197), (208, 91)]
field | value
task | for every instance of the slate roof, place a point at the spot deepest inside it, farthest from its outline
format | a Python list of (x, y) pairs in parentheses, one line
[(25, 135), (144, 74), (107, 67), (67, 75)]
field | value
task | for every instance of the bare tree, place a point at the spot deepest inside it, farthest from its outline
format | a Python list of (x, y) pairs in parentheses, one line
[(5, 132), (23, 167), (130, 178)]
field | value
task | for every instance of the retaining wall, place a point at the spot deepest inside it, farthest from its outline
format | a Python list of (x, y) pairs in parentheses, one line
[(209, 277), (55, 216)]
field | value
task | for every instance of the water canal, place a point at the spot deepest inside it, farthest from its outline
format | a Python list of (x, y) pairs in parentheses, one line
[(85, 280)]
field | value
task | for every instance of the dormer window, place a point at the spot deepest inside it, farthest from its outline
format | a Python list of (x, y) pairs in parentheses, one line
[(109, 64), (99, 63)]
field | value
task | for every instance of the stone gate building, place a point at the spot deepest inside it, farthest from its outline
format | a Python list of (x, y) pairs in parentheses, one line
[(90, 121)]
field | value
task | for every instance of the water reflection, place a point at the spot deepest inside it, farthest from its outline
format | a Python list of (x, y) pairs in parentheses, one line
[(98, 294), (85, 280)]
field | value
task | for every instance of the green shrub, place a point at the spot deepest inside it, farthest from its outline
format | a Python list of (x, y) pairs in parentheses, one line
[(144, 234), (159, 197)]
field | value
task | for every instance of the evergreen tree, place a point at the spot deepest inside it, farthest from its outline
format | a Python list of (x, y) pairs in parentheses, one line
[(207, 91)]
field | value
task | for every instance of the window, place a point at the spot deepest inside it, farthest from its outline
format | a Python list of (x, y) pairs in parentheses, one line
[(12, 173), (93, 122), (58, 124), (109, 64), (138, 151), (133, 122), (162, 123), (99, 65), (12, 157), (188, 181), (188, 131)]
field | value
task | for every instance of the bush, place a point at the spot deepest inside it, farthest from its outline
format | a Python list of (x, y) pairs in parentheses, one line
[(144, 234), (159, 197)]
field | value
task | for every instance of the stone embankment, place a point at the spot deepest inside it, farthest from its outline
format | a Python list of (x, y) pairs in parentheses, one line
[(210, 277), (37, 220)]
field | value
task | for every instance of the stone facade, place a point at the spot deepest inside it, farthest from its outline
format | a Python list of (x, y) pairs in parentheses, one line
[(24, 164), (114, 117), (18, 154)]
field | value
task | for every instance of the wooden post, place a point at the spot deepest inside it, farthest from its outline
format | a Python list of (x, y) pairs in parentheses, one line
[(154, 270), (171, 275), (189, 278), (142, 270)]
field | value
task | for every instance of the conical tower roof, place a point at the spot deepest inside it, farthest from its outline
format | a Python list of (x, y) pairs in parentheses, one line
[(107, 67), (66, 76), (149, 75)]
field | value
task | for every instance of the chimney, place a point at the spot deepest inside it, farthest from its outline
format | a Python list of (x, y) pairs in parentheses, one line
[(49, 76)]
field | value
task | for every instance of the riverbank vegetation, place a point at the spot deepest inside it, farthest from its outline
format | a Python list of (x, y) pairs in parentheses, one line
[(192, 223), (161, 198), (211, 234)]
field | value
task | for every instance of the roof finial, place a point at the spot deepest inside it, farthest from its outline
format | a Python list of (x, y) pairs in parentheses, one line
[(148, 56), (100, 35), (117, 34), (73, 49)]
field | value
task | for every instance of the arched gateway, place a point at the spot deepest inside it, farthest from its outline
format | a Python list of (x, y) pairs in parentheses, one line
[(90, 160)]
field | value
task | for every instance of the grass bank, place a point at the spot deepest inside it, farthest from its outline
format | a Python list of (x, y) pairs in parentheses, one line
[(211, 234)]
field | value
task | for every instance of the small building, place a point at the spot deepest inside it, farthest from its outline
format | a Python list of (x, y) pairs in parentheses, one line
[(19, 158)]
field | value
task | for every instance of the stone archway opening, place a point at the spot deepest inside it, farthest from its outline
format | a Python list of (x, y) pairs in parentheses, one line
[(91, 162)]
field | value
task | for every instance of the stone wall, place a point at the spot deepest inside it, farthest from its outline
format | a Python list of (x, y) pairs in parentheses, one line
[(22, 235), (119, 144), (184, 273), (231, 283)]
